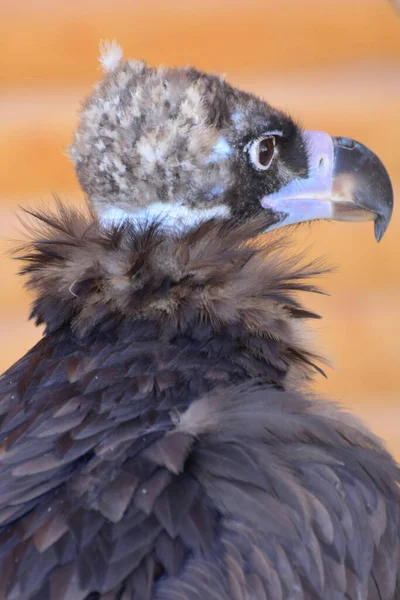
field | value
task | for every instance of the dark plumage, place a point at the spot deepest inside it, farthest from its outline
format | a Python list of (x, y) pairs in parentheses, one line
[(155, 444)]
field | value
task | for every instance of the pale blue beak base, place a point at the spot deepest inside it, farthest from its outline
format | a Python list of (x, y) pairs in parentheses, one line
[(346, 182)]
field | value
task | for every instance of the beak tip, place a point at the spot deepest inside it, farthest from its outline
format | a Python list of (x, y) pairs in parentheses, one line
[(380, 227), (385, 210)]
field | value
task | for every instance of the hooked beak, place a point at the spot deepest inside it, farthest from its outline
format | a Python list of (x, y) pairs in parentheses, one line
[(346, 182)]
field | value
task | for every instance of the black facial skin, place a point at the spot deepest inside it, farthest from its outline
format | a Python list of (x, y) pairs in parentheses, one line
[(290, 162), (258, 118)]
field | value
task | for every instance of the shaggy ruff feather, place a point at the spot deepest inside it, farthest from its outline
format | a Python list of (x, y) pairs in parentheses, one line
[(94, 278)]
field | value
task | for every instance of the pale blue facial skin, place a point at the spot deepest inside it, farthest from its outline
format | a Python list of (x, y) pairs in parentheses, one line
[(217, 190), (221, 150), (237, 117)]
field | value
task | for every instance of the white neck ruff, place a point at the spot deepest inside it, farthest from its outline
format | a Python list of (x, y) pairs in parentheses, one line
[(172, 215)]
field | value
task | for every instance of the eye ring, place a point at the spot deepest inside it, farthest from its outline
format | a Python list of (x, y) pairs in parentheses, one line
[(262, 151)]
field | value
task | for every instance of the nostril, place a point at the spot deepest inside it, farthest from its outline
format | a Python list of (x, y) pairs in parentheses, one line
[(321, 162)]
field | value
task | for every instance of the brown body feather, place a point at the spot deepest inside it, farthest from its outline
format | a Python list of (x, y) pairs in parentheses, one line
[(152, 445)]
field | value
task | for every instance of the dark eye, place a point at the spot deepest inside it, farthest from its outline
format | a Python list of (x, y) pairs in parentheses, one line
[(262, 151)]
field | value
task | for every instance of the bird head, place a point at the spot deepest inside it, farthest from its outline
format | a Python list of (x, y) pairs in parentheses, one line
[(183, 146)]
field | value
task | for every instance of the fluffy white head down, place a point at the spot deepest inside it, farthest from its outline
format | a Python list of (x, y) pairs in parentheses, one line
[(110, 55)]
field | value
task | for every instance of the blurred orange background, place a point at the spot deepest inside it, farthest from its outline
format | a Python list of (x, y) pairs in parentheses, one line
[(334, 64)]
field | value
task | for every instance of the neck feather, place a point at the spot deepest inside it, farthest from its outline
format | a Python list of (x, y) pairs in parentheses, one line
[(90, 280)]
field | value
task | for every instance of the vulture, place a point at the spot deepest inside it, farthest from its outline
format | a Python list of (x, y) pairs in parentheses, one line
[(161, 440)]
